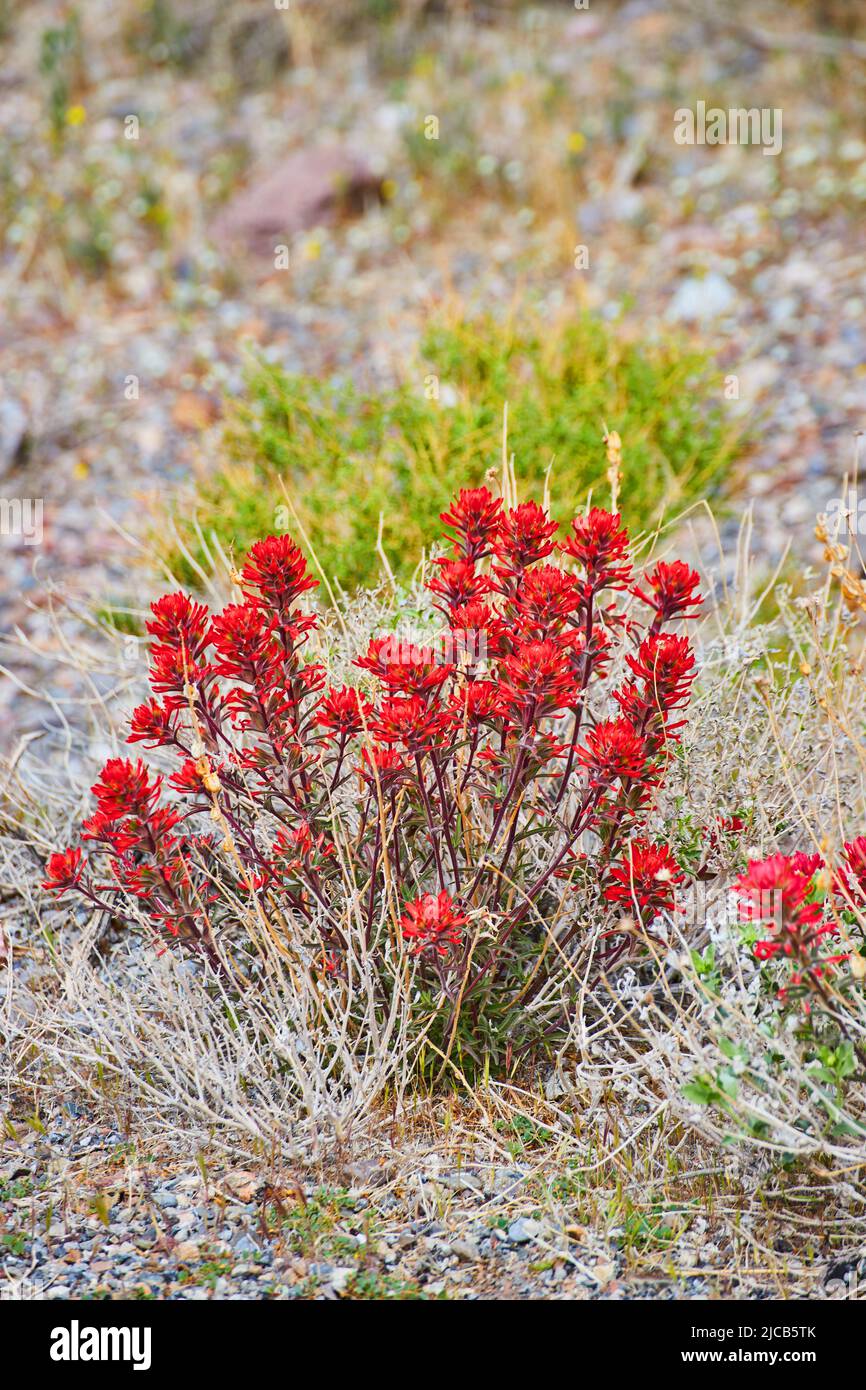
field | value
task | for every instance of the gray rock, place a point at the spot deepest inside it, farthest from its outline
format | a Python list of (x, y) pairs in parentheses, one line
[(505, 1180), (460, 1182), (698, 299), (340, 1276), (523, 1230), (465, 1249)]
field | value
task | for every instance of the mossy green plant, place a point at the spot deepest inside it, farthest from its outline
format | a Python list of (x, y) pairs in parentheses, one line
[(348, 458)]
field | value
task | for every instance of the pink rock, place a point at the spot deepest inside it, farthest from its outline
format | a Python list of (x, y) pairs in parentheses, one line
[(310, 188)]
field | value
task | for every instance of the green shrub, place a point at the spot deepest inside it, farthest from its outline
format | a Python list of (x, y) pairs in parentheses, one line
[(347, 457)]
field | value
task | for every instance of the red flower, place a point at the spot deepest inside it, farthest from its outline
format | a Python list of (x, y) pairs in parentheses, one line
[(765, 950), (433, 921), (524, 538), (475, 515), (277, 569), (458, 583), (855, 859), (409, 669), (774, 889), (342, 712), (613, 750), (125, 789), (646, 875), (526, 634), (376, 660), (127, 812), (408, 721), (382, 764), (188, 781), (476, 632), (600, 543), (723, 825), (151, 723), (477, 702), (171, 672), (665, 665), (244, 639), (178, 622), (65, 870), (180, 630), (807, 865), (547, 596), (672, 591), (537, 681), (300, 848)]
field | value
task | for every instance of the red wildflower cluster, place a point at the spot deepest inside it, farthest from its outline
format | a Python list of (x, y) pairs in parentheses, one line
[(409, 722), (476, 632), (150, 863), (672, 591), (276, 571), (128, 814), (645, 877), (615, 751), (851, 880), (475, 517), (599, 542), (179, 629), (342, 712), (151, 724), (468, 776), (665, 669), (536, 684), (547, 597), (458, 582), (404, 667), (300, 849), (780, 894), (433, 921), (64, 869), (525, 536)]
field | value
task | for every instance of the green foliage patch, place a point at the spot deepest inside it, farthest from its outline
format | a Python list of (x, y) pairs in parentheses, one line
[(348, 457)]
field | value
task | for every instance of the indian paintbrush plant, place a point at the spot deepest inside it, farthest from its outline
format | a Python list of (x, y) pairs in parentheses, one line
[(468, 817)]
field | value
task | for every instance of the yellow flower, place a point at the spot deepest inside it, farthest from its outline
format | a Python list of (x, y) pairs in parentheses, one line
[(575, 141), (76, 115)]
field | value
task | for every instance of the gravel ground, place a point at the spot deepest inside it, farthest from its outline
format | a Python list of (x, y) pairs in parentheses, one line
[(83, 1216)]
